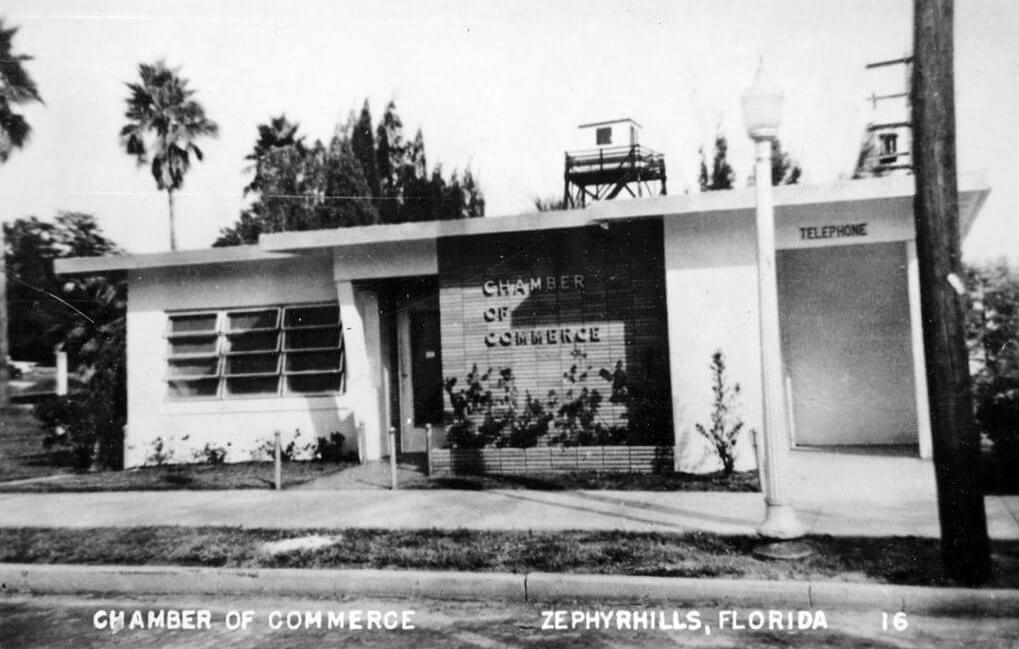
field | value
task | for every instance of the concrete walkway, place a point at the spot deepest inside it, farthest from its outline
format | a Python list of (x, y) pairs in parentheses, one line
[(727, 513)]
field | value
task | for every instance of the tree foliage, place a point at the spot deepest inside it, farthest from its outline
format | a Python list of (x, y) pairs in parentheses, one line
[(784, 170), (299, 187), (164, 122), (86, 316), (279, 133), (720, 175), (43, 313), (16, 87), (364, 176), (993, 333), (549, 204)]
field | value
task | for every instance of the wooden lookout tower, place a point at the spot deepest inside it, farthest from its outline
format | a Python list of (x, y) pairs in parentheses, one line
[(615, 163)]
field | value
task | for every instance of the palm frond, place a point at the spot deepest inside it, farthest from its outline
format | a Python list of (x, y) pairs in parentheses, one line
[(162, 107)]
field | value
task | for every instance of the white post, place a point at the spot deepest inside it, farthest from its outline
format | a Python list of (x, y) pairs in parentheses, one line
[(61, 372), (923, 413), (780, 520), (278, 458), (762, 113), (392, 457)]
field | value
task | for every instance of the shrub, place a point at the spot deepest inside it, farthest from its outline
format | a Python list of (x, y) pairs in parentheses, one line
[(211, 454), (330, 449), (725, 428), (993, 332), (488, 410), (577, 421), (289, 451), (161, 453), (461, 430), (93, 420)]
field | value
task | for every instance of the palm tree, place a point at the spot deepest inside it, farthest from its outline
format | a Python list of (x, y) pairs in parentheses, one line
[(16, 87), (164, 122)]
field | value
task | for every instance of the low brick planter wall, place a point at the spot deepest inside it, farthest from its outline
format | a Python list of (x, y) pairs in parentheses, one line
[(551, 459)]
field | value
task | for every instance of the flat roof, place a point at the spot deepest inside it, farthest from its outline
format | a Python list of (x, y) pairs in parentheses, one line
[(79, 265), (973, 191), (621, 120)]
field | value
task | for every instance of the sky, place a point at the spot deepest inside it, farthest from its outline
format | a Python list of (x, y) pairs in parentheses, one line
[(498, 86)]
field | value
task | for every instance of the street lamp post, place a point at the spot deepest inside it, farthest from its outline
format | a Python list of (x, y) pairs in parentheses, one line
[(762, 114)]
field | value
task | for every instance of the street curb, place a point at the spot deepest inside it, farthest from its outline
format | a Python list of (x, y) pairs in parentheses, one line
[(45, 579), (175, 580)]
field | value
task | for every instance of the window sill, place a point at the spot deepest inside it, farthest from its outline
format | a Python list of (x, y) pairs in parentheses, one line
[(290, 403)]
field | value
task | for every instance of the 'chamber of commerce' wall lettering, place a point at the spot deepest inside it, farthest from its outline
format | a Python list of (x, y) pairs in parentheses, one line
[(523, 286), (550, 304), (833, 231)]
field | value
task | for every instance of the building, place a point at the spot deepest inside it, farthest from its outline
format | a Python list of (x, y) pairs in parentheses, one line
[(355, 330)]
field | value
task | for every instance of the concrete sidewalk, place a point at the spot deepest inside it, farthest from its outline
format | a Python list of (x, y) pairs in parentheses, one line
[(726, 513)]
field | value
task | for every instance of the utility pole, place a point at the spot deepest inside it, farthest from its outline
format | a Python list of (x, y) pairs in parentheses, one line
[(965, 547), (5, 375)]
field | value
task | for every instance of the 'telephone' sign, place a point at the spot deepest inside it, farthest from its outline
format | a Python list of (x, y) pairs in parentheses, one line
[(523, 286), (833, 231)]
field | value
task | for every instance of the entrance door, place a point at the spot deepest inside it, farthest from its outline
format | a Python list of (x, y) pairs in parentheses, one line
[(420, 377)]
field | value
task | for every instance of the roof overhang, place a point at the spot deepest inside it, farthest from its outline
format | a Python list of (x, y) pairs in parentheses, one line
[(118, 263), (973, 191)]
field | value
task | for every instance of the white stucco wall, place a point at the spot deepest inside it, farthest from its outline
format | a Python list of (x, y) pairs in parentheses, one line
[(188, 425), (711, 296)]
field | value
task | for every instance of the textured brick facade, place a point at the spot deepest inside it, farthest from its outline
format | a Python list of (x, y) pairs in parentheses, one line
[(541, 302)]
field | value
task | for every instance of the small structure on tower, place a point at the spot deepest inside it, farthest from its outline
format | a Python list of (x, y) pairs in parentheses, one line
[(888, 138), (617, 162)]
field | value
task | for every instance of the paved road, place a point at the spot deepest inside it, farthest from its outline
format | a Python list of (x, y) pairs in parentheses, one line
[(70, 622)]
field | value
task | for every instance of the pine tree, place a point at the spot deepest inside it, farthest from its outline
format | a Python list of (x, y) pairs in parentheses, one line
[(721, 175), (474, 205), (301, 187), (784, 170), (362, 140), (391, 155)]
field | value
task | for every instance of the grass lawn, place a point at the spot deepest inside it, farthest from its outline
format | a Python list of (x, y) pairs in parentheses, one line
[(21, 452), (22, 456), (243, 475), (898, 560)]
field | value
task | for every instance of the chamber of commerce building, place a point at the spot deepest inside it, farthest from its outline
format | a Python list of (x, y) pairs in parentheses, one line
[(358, 330)]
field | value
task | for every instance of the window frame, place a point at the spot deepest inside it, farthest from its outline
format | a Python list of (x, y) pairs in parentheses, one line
[(225, 332)]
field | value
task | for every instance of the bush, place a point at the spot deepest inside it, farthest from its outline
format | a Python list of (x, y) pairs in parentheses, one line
[(330, 449), (993, 332), (211, 454), (725, 428), (461, 430), (161, 453), (289, 451), (488, 410), (92, 421)]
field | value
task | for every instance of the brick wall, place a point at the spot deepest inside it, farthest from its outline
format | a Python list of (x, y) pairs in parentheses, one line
[(540, 302)]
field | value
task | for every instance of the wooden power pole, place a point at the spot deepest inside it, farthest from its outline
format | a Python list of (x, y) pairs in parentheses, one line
[(964, 544), (4, 347)]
